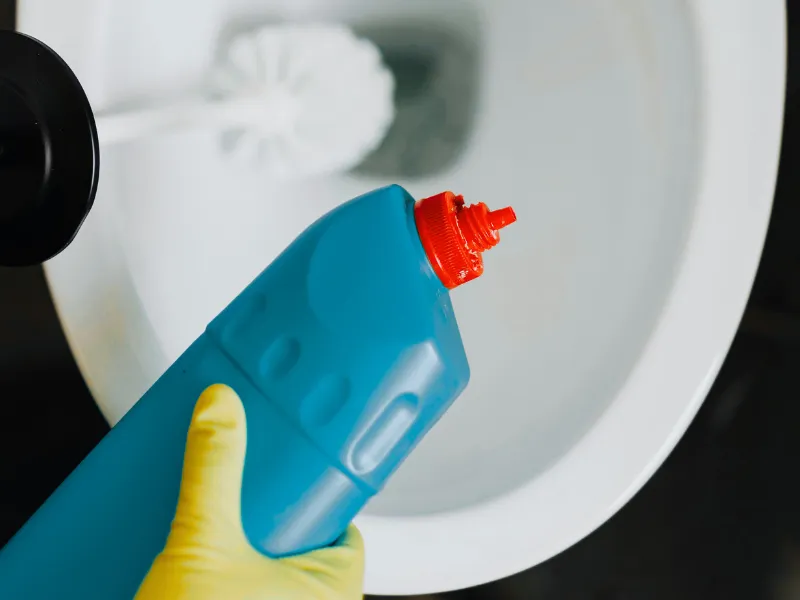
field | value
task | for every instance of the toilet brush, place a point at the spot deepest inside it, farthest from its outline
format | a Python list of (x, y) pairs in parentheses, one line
[(299, 100)]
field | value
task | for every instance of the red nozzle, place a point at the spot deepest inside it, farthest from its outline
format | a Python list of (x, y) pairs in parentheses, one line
[(501, 217), (454, 235)]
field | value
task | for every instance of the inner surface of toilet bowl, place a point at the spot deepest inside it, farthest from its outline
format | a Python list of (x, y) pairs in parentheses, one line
[(587, 124), (581, 113)]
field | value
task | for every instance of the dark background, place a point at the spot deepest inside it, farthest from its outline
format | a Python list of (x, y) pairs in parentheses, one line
[(720, 519)]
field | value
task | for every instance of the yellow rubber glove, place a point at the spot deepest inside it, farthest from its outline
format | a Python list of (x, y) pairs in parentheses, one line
[(207, 554)]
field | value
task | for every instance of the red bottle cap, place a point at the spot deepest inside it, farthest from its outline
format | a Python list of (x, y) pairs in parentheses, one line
[(454, 235)]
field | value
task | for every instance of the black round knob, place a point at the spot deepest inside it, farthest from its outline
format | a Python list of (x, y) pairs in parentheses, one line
[(49, 154)]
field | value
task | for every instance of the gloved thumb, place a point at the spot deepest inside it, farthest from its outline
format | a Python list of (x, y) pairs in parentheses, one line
[(209, 509)]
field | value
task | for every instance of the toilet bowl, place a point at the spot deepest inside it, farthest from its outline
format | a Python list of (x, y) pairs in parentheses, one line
[(638, 142)]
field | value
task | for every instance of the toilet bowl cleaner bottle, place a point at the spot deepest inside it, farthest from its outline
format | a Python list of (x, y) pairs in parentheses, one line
[(345, 351)]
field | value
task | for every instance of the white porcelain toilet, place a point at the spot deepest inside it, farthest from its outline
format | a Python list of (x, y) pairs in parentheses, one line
[(638, 143)]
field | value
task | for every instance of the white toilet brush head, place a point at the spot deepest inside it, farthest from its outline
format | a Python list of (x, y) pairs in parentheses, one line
[(304, 99)]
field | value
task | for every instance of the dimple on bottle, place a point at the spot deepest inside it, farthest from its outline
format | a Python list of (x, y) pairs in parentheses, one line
[(345, 351)]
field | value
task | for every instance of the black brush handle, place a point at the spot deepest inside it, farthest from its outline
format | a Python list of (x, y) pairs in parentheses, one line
[(49, 154)]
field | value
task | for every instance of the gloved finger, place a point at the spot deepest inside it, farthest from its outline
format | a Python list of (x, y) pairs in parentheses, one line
[(209, 512), (353, 540), (341, 565)]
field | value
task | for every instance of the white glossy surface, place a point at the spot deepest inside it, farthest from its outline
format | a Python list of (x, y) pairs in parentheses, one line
[(638, 143)]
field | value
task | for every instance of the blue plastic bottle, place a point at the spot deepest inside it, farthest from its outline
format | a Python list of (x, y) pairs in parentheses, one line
[(345, 351)]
